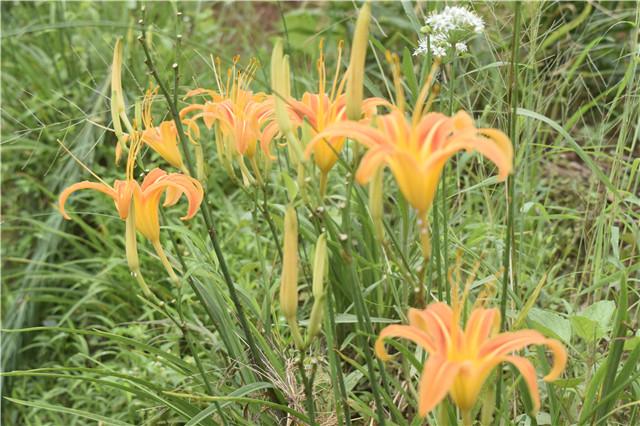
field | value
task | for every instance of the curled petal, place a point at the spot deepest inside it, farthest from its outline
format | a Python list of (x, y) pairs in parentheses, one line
[(200, 91), (101, 187), (462, 121), (503, 142), (437, 378), (372, 160), (268, 134), (414, 334), (559, 359), (370, 105), (189, 109), (357, 131), (192, 189), (528, 373), (505, 343), (152, 177)]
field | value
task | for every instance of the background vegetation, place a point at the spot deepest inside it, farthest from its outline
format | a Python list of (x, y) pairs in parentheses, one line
[(97, 352)]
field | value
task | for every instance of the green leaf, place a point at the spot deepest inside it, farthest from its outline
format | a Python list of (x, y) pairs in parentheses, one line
[(594, 322), (551, 324), (72, 411), (600, 312), (586, 328)]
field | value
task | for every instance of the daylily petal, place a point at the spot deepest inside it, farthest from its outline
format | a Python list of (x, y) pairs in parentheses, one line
[(414, 334), (370, 162), (528, 373), (437, 377), (105, 189), (480, 325), (437, 321), (559, 359)]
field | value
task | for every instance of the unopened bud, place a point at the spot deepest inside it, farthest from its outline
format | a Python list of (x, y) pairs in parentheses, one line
[(118, 111), (289, 279), (356, 64), (319, 273)]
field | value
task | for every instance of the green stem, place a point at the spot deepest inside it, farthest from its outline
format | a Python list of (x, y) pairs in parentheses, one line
[(308, 388), (165, 262), (443, 188), (509, 242)]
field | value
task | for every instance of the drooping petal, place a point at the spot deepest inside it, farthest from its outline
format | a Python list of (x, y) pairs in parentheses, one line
[(101, 187), (359, 132), (437, 377), (528, 373), (559, 359), (487, 147), (190, 187), (152, 177), (371, 161), (414, 334), (506, 343)]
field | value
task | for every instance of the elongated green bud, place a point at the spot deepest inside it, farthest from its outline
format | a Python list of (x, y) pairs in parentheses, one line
[(355, 79), (289, 279), (118, 108), (280, 86), (319, 266), (131, 248), (376, 191), (201, 174), (319, 274)]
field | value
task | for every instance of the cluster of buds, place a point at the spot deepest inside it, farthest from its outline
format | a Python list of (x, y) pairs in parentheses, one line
[(449, 31)]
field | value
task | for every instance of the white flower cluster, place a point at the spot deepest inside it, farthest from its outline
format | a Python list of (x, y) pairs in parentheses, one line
[(449, 29)]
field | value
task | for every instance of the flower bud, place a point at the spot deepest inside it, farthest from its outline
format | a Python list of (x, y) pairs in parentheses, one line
[(319, 273), (118, 111), (280, 85), (356, 63), (289, 279)]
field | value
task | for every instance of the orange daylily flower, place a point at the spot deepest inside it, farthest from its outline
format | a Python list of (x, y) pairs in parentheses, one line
[(460, 361), (322, 110), (245, 118), (417, 152), (163, 139), (146, 199)]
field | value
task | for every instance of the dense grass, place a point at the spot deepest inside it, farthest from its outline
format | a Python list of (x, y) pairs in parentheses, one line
[(80, 344)]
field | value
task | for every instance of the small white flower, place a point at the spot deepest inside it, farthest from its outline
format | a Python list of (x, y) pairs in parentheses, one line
[(461, 47), (449, 30)]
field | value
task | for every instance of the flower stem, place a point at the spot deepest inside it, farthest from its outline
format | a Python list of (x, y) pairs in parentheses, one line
[(443, 188), (308, 388), (509, 242), (323, 183), (466, 418), (165, 262)]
